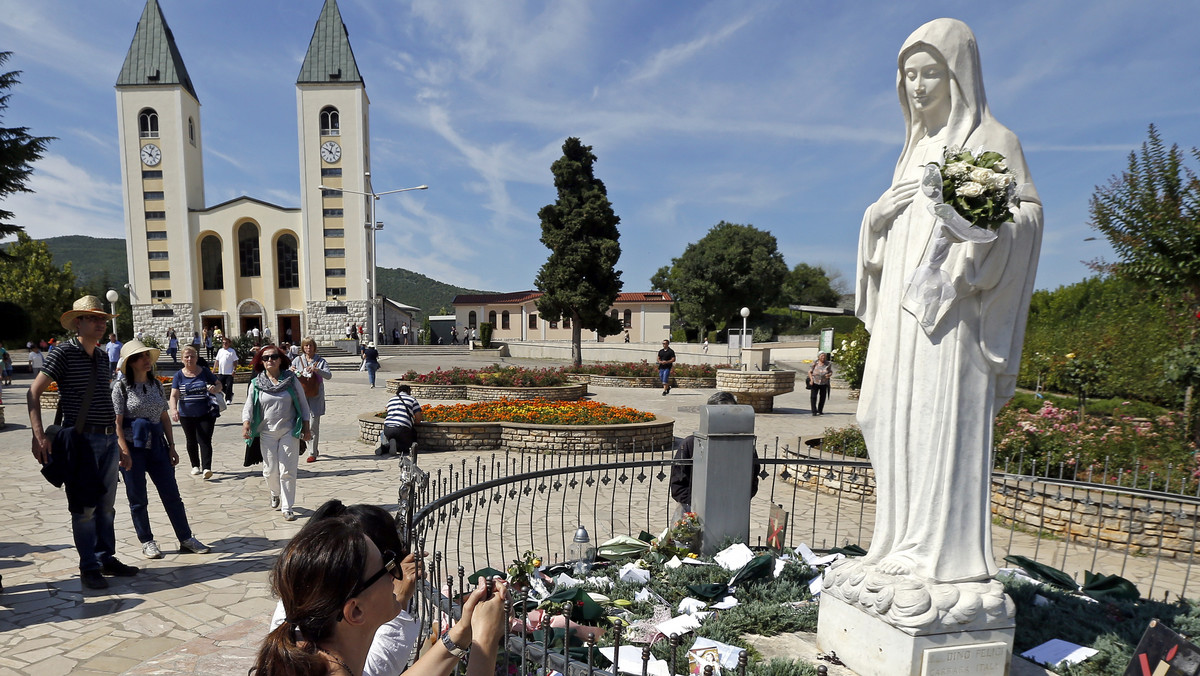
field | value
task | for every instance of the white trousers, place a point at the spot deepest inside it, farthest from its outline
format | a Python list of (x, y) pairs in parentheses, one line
[(281, 456)]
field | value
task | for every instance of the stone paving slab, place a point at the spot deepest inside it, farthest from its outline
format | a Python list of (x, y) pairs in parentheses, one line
[(205, 614)]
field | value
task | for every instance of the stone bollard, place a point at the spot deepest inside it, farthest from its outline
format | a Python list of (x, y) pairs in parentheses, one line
[(722, 465)]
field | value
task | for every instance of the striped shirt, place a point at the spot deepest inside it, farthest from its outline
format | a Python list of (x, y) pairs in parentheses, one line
[(74, 371), (400, 411)]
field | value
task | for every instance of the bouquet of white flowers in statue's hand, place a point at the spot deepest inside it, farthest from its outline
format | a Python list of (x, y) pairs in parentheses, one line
[(971, 195)]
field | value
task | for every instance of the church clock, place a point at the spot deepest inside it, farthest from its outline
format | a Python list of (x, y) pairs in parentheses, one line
[(331, 152), (151, 155)]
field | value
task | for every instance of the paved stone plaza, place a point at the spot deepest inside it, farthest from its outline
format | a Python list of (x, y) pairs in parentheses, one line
[(205, 614)]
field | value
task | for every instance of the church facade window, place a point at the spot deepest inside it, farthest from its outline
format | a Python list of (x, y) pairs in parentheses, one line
[(248, 255), (287, 258), (211, 272)]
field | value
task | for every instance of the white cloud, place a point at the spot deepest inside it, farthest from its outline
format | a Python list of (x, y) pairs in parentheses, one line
[(68, 200), (670, 58)]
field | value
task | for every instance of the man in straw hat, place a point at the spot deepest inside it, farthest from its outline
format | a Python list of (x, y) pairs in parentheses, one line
[(79, 366)]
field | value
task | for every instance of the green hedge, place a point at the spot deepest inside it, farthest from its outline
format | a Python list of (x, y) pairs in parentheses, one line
[(1109, 322)]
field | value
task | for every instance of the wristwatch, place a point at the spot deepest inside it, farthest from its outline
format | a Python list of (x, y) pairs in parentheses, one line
[(451, 646)]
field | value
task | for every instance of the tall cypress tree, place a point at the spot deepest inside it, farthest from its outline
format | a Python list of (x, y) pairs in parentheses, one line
[(18, 152), (579, 281)]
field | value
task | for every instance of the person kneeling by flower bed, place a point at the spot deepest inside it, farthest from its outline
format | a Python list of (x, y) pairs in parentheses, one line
[(403, 414)]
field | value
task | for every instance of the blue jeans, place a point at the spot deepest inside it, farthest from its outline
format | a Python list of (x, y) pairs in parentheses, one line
[(664, 375), (157, 465), (372, 367), (93, 527)]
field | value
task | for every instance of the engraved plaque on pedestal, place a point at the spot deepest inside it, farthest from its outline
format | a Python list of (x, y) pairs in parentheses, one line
[(978, 658)]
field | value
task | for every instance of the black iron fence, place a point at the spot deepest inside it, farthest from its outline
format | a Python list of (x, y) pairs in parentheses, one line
[(489, 510)]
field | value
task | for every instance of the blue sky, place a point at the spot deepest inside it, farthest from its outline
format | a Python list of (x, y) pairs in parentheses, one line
[(781, 114)]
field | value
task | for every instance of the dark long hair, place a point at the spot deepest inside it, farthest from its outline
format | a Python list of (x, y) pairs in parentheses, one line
[(375, 521), (314, 575)]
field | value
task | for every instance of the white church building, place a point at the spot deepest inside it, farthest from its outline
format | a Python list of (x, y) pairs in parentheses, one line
[(246, 262)]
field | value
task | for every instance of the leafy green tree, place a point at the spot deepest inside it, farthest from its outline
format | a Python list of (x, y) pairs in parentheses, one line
[(809, 285), (1150, 214), (731, 267), (579, 281), (29, 278), (18, 152)]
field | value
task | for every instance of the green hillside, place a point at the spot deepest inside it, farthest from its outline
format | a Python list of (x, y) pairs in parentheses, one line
[(103, 261), (413, 288), (93, 259)]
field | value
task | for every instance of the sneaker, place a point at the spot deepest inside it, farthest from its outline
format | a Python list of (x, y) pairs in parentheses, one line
[(92, 579), (664, 393), (668, 389), (151, 550), (195, 471), (208, 474), (274, 502), (289, 515), (117, 569), (194, 546)]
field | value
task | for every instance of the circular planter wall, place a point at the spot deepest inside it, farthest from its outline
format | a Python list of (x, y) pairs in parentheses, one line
[(648, 381), (490, 392), (656, 435), (756, 388)]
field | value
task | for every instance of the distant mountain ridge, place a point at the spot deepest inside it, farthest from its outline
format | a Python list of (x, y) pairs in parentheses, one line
[(102, 261)]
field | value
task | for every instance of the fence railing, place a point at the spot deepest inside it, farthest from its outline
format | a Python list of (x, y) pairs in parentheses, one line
[(489, 511)]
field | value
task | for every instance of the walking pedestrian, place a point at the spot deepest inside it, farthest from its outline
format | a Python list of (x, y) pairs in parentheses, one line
[(226, 361), (113, 349), (818, 380), (276, 413), (370, 359), (209, 352), (172, 346), (194, 411), (144, 433), (84, 455), (313, 371), (666, 360)]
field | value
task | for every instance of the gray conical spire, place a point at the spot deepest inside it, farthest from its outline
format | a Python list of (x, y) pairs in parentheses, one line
[(153, 58), (329, 57)]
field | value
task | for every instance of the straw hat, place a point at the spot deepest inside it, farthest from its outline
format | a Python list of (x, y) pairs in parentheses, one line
[(135, 347), (88, 305)]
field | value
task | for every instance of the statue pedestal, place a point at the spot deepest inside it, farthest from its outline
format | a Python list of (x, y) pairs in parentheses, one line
[(872, 647)]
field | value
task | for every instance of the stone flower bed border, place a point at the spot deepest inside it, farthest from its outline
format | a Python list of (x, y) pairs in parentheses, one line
[(640, 381), (656, 435), (490, 392)]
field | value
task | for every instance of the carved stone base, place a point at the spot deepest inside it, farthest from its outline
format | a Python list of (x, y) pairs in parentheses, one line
[(871, 646), (917, 605)]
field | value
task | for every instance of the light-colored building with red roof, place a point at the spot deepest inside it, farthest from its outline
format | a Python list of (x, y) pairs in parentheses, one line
[(645, 314)]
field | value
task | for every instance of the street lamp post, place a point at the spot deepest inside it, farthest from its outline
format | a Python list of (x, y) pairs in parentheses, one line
[(742, 353), (112, 297), (372, 226)]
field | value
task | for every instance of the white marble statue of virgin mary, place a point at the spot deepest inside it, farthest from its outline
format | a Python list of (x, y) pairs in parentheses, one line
[(931, 390)]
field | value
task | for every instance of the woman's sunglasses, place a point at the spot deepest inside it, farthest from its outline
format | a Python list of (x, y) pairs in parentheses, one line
[(391, 564)]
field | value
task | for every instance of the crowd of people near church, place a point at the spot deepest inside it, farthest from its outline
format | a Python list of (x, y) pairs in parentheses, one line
[(344, 582)]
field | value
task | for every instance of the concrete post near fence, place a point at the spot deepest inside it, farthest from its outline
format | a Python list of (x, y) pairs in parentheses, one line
[(722, 465)]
